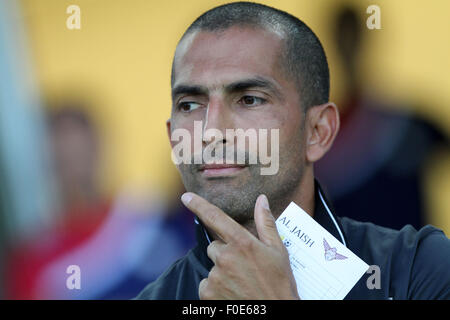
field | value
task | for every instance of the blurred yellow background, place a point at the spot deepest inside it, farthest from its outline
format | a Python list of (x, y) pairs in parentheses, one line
[(120, 61)]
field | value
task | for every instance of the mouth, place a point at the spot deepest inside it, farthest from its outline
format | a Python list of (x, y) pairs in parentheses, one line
[(220, 170)]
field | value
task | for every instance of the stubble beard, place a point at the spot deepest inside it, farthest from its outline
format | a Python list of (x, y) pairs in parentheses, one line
[(236, 196)]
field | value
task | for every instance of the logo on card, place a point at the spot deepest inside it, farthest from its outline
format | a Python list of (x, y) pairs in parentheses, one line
[(286, 242), (331, 253)]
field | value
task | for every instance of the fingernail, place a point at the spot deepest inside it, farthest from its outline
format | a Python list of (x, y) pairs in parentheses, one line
[(265, 202), (186, 198)]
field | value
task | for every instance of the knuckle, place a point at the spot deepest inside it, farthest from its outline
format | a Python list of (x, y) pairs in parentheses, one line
[(213, 277), (245, 242), (270, 225), (210, 250), (203, 284), (214, 250), (203, 288), (207, 295), (222, 260)]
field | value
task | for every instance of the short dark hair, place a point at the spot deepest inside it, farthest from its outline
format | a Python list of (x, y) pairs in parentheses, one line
[(303, 57)]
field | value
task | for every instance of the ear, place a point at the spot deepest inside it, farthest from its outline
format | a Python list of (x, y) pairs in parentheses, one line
[(169, 132), (323, 126)]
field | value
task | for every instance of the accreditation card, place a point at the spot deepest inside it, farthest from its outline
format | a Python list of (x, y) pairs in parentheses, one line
[(322, 266)]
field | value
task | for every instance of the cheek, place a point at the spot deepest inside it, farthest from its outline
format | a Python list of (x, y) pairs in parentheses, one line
[(186, 133), (192, 122), (289, 125), (180, 120), (292, 136)]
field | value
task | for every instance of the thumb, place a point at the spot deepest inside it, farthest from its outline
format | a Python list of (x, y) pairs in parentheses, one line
[(265, 223)]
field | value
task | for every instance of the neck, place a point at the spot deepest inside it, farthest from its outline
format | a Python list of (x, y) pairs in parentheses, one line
[(304, 194)]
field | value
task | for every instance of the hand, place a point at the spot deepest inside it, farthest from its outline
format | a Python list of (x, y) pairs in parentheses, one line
[(245, 267)]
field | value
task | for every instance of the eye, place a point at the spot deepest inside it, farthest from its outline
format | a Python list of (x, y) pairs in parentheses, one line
[(252, 101), (188, 106)]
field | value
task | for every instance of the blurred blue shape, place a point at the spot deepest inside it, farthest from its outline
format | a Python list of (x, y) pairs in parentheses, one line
[(23, 145)]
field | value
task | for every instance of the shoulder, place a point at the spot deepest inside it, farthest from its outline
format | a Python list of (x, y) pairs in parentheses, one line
[(172, 283), (430, 276), (365, 237), (160, 288), (179, 282), (414, 264)]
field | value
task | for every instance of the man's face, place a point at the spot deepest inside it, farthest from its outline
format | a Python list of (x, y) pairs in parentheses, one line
[(234, 80)]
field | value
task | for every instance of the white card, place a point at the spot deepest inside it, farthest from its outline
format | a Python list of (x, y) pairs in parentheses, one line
[(322, 266)]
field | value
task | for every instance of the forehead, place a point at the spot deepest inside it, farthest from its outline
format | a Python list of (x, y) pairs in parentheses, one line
[(210, 58)]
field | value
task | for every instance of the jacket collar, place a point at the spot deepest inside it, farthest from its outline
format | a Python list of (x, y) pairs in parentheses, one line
[(323, 214)]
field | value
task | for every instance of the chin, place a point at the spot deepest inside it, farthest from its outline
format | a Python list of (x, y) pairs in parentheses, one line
[(235, 203)]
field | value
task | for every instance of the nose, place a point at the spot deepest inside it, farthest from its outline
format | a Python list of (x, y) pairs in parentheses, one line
[(217, 120)]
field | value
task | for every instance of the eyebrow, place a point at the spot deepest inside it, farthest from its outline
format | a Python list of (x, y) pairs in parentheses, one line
[(194, 90), (257, 82), (237, 86)]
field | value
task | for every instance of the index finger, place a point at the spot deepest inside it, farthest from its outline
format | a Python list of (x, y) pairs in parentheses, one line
[(214, 218)]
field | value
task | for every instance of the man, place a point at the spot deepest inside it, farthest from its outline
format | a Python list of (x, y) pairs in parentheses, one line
[(245, 65)]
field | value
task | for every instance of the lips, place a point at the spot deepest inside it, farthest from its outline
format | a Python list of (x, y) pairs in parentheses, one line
[(216, 170), (219, 166)]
